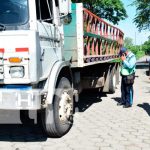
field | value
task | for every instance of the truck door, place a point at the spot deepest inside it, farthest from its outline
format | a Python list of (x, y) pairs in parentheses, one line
[(48, 33)]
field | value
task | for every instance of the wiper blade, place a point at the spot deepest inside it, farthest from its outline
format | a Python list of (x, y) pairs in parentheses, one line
[(2, 27)]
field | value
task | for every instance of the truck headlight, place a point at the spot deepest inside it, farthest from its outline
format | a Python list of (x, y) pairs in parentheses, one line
[(17, 72)]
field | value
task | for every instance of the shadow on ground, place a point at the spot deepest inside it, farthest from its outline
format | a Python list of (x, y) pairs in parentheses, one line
[(146, 107), (87, 98), (117, 99), (21, 133)]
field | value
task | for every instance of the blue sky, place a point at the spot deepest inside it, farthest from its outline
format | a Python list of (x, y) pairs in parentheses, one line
[(129, 28)]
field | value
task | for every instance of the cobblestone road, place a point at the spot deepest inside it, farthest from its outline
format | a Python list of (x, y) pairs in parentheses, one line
[(99, 125)]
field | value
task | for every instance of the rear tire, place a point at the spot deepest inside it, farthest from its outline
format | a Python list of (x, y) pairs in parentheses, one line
[(57, 119), (112, 82)]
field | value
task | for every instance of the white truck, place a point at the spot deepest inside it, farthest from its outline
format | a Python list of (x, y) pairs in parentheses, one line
[(44, 64)]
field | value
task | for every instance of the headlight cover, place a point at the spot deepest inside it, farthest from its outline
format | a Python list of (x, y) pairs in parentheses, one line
[(17, 71)]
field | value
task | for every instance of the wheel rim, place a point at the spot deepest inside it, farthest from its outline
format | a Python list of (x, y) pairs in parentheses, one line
[(65, 107)]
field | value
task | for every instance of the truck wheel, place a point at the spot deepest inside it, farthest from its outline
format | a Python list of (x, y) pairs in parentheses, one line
[(58, 118), (112, 82)]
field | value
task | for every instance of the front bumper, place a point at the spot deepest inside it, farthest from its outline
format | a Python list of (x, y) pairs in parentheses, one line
[(11, 99)]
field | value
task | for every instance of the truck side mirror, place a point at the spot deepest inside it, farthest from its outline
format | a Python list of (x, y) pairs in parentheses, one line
[(64, 7), (66, 19)]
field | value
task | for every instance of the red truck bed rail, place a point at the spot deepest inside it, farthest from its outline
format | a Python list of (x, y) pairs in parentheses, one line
[(89, 39), (100, 38)]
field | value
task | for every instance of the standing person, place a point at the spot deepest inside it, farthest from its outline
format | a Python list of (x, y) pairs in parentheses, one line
[(128, 74)]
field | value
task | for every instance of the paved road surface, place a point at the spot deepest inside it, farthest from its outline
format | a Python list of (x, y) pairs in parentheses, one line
[(99, 125)]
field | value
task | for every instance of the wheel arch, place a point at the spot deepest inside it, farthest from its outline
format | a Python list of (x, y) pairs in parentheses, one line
[(66, 72), (59, 69)]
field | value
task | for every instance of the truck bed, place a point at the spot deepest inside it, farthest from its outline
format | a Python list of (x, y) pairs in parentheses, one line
[(89, 40)]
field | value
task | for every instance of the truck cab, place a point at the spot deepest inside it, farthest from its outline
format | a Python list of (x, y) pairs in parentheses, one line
[(31, 62), (30, 32)]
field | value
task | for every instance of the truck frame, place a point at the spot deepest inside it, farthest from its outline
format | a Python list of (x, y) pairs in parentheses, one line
[(49, 54)]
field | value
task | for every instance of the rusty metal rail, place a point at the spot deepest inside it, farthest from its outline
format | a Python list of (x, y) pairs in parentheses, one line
[(102, 41)]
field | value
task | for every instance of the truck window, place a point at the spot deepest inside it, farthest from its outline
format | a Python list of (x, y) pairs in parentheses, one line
[(14, 12), (44, 10)]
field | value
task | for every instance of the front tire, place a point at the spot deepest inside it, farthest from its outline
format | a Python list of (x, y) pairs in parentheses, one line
[(57, 119)]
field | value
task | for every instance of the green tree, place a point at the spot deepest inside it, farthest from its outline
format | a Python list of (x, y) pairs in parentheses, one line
[(112, 10), (137, 50), (141, 50), (146, 46), (142, 18), (128, 42)]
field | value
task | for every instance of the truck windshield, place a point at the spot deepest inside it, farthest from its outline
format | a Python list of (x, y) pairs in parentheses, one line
[(13, 12)]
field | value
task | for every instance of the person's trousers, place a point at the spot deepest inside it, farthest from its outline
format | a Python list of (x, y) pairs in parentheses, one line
[(126, 92)]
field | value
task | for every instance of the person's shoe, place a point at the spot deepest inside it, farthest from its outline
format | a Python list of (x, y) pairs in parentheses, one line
[(120, 103), (127, 106)]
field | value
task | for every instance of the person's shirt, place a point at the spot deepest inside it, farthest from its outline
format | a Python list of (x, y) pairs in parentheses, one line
[(128, 65)]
